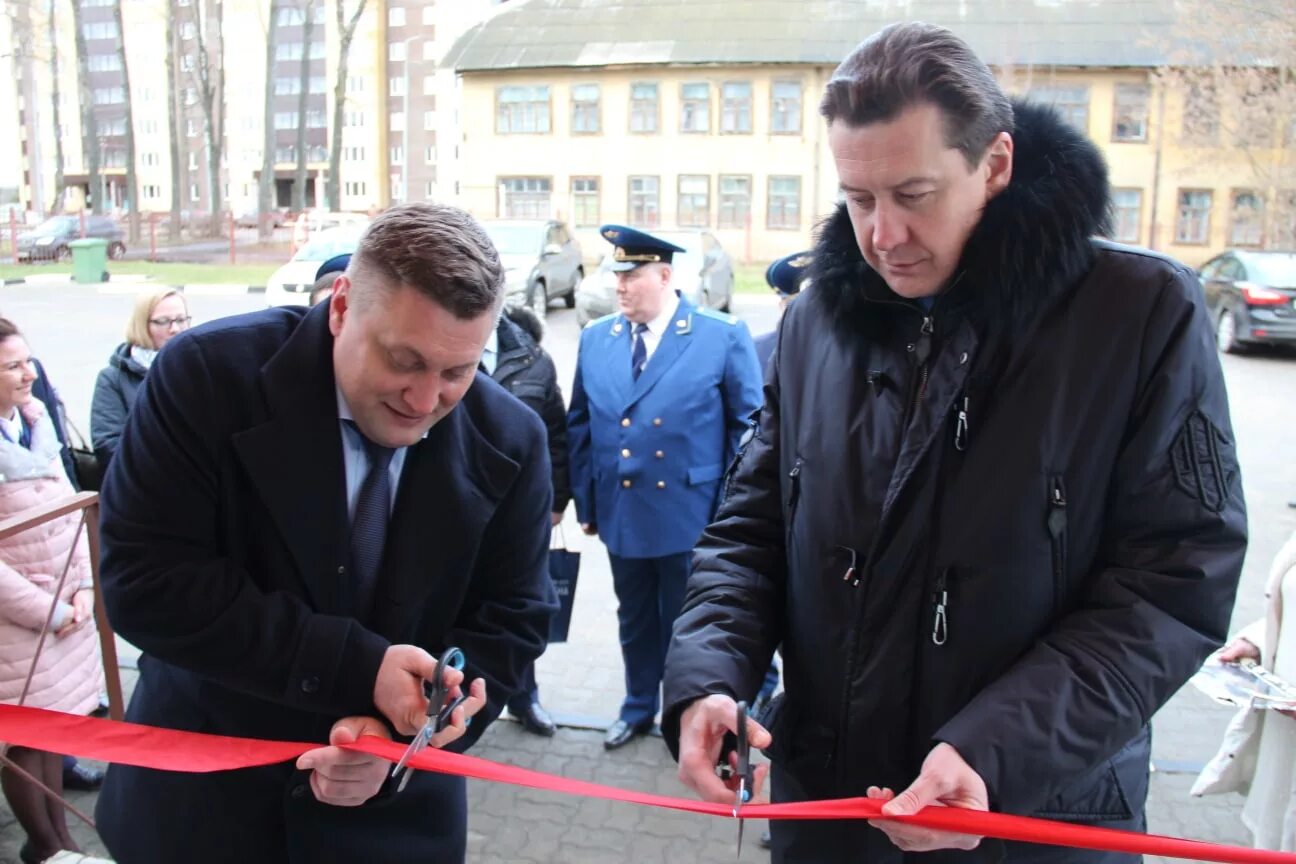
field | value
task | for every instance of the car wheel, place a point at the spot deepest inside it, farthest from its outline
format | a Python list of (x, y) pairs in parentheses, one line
[(62, 253), (537, 299), (569, 299), (116, 250), (1226, 333)]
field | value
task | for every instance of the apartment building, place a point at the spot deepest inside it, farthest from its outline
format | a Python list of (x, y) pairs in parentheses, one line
[(656, 115)]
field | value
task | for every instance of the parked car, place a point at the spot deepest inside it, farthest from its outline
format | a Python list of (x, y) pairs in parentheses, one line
[(251, 218), (542, 261), (703, 273), (49, 240), (1251, 296), (291, 284)]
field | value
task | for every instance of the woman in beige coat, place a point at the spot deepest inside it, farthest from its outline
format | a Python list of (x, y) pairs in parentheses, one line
[(68, 673), (1258, 756)]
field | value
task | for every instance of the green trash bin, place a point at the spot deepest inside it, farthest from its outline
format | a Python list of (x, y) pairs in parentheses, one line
[(89, 259)]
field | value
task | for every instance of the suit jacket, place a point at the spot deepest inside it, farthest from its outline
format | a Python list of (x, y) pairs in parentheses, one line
[(226, 559), (647, 455)]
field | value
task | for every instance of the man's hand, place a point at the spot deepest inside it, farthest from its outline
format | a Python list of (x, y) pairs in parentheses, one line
[(398, 690), (945, 781), (343, 778), (702, 730), (459, 717), (555, 519), (1239, 649), (589, 528)]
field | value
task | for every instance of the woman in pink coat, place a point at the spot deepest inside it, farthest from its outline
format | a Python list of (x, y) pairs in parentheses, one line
[(68, 672)]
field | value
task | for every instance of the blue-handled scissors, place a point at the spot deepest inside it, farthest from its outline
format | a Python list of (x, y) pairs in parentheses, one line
[(743, 770), (438, 712)]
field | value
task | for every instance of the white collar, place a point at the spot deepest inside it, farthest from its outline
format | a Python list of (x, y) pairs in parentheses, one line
[(659, 325), (492, 343)]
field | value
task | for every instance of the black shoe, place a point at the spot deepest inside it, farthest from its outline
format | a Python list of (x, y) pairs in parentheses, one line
[(81, 778), (622, 733), (536, 720), (764, 841)]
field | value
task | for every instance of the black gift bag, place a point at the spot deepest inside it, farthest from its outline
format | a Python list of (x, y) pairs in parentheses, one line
[(564, 567)]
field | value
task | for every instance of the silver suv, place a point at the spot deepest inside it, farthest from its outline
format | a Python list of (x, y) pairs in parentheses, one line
[(542, 260)]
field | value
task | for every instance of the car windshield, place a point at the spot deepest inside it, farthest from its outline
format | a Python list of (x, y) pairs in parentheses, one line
[(325, 247), (56, 225), (514, 239), (1278, 271)]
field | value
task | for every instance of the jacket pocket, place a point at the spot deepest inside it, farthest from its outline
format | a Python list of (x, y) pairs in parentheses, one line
[(699, 474), (1114, 791), (1056, 523)]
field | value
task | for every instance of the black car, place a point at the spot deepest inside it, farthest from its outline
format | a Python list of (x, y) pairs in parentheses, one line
[(1252, 298)]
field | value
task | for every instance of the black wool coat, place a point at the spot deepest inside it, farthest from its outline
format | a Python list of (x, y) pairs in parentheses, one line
[(225, 559), (1013, 524)]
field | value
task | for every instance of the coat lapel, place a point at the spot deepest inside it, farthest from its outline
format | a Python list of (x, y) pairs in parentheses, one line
[(294, 459), (673, 343), (620, 338)]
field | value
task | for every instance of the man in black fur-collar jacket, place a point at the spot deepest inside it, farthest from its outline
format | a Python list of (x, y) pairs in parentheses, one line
[(991, 509)]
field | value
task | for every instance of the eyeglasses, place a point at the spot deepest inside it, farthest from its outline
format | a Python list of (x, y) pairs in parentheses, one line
[(178, 321)]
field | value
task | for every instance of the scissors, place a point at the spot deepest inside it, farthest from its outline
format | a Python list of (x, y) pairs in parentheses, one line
[(743, 770), (438, 712)]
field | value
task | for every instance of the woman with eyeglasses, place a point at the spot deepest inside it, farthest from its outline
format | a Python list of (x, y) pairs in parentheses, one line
[(156, 320), (43, 623)]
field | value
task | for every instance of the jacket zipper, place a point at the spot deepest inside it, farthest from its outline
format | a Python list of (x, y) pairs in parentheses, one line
[(795, 494), (961, 428), (1057, 525), (940, 602), (922, 351)]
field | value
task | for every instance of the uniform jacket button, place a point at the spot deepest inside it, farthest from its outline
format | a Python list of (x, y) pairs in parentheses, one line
[(625, 421), (625, 454), (625, 484), (661, 484), (656, 421), (310, 685), (660, 455)]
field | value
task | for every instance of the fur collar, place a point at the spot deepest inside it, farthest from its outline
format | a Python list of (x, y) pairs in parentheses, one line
[(1032, 243)]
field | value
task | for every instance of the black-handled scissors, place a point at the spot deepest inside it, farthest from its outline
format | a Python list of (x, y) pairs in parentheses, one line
[(439, 711), (742, 769)]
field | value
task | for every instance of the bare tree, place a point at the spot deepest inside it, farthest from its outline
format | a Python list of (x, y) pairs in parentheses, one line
[(265, 188), (132, 179), (89, 122), (1233, 69), (303, 98), (208, 76), (346, 32), (57, 97), (173, 116)]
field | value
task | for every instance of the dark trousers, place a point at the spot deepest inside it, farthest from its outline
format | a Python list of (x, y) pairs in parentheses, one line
[(530, 692), (650, 594)]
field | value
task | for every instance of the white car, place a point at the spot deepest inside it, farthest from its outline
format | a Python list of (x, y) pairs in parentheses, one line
[(291, 284)]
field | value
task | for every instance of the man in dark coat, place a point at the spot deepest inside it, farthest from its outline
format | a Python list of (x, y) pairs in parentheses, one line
[(992, 508), (515, 360), (306, 507)]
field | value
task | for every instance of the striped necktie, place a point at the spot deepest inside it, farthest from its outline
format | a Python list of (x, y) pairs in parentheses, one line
[(369, 525)]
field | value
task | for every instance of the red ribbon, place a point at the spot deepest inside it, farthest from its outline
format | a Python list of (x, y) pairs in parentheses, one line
[(193, 752)]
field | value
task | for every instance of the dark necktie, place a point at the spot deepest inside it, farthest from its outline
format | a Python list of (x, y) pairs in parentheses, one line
[(638, 351), (369, 525)]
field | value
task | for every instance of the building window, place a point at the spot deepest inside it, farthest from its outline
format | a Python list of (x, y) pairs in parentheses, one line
[(104, 62), (355, 84), (396, 16), (1070, 101), (193, 192), (191, 127), (429, 50), (643, 107), (193, 161), (354, 187), (397, 120), (785, 107), (354, 119), (585, 109), (585, 202), (735, 201), (396, 52), (429, 154), (186, 63), (283, 86), (695, 107), (109, 95), (736, 108), (521, 110), (429, 85), (524, 197), (108, 30), (317, 84), (396, 86), (644, 200), (116, 126), (190, 96), (1246, 222), (429, 189), (397, 155), (285, 120), (291, 16), (286, 155), (693, 209), (316, 120), (429, 121), (288, 51), (1192, 226), (783, 209), (1283, 233), (1127, 205), (152, 191), (429, 15), (1130, 112), (1200, 113)]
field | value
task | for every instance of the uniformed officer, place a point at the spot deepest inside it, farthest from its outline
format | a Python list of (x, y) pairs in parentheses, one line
[(786, 276), (662, 395)]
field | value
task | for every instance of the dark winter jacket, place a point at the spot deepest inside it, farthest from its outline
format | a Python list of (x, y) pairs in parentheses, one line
[(114, 394), (1013, 524), (43, 389), (527, 371)]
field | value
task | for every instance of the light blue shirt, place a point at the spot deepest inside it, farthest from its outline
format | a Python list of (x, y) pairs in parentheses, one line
[(490, 354), (355, 460)]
